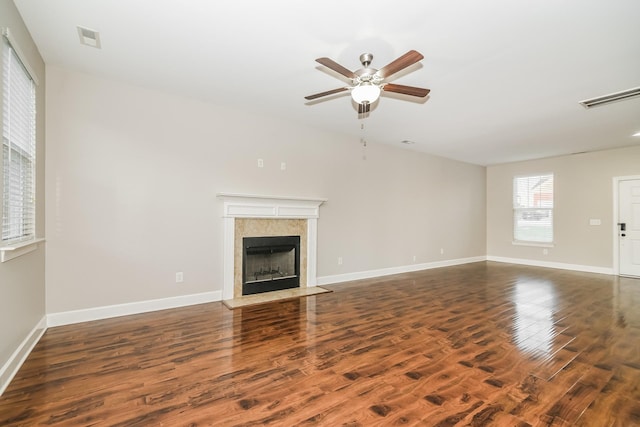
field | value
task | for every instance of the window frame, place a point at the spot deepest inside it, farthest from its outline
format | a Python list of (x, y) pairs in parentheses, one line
[(545, 209)]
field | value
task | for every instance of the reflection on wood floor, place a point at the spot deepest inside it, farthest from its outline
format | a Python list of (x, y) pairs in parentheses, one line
[(472, 345)]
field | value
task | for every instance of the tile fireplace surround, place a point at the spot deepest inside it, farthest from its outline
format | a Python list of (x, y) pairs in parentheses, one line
[(250, 215)]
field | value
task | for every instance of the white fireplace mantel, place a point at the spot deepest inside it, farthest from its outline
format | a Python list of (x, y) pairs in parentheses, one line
[(275, 207), (252, 206)]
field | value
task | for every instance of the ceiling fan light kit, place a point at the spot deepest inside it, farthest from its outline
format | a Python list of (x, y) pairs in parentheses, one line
[(368, 83), (365, 92)]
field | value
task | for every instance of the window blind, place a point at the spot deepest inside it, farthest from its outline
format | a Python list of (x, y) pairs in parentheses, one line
[(18, 148), (533, 208)]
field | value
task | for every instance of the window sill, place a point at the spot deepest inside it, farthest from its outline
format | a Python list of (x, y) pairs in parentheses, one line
[(15, 250), (534, 244)]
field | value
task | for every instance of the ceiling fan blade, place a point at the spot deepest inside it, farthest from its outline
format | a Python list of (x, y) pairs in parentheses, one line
[(330, 63), (401, 63), (329, 92), (406, 90)]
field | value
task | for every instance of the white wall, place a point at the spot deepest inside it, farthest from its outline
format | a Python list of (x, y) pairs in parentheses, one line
[(22, 286), (583, 186), (132, 176)]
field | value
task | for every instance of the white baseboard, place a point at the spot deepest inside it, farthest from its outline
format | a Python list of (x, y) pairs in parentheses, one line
[(106, 312), (11, 367), (347, 277), (557, 265)]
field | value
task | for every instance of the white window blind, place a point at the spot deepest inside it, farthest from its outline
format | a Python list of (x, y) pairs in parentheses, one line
[(18, 148), (533, 208)]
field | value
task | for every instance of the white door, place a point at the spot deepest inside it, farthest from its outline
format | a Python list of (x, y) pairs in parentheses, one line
[(629, 227)]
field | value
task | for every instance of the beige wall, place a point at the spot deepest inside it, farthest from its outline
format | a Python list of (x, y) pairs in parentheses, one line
[(22, 289), (583, 191), (132, 177)]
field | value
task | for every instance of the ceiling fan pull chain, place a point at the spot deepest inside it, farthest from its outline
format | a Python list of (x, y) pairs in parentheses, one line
[(364, 148), (363, 141)]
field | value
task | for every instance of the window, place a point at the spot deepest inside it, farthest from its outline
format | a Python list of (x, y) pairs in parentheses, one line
[(18, 148), (533, 208)]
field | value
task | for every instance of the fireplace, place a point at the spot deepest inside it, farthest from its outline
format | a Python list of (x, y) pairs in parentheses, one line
[(267, 216), (270, 264)]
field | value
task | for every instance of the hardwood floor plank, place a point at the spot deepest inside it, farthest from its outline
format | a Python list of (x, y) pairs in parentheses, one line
[(578, 398), (481, 344)]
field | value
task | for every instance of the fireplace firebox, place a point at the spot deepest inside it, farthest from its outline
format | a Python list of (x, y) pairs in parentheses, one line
[(270, 264)]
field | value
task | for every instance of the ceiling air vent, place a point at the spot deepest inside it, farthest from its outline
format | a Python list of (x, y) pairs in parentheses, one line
[(89, 37), (606, 99)]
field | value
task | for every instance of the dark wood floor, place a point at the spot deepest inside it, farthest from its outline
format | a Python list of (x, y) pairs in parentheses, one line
[(479, 344)]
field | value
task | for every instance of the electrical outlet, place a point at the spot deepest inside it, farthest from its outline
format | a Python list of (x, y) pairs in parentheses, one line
[(414, 258), (441, 251), (339, 260), (283, 166), (260, 163), (179, 277)]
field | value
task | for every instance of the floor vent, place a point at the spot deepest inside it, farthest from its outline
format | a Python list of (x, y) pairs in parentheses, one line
[(606, 99)]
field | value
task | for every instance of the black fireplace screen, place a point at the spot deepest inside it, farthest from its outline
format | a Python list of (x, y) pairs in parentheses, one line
[(270, 264)]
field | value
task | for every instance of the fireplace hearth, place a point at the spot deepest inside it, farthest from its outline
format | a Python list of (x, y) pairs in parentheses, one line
[(270, 264)]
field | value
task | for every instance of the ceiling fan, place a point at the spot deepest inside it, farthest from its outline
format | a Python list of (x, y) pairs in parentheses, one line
[(367, 83)]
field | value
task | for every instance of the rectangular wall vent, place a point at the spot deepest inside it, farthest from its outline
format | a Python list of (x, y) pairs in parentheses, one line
[(89, 37), (606, 99)]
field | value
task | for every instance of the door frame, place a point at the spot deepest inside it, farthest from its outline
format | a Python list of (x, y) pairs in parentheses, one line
[(616, 234)]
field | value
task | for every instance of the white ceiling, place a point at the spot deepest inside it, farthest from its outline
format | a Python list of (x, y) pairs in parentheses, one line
[(505, 76)]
